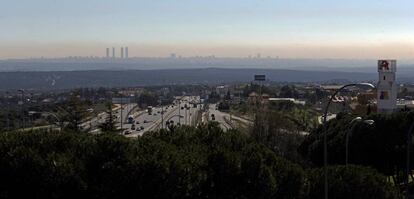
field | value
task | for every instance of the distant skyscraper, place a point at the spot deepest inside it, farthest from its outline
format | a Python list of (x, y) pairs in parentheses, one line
[(107, 52), (113, 52), (173, 55), (122, 52), (387, 87), (126, 52)]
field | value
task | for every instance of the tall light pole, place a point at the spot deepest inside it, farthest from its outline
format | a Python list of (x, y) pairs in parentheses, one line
[(122, 101), (22, 108), (357, 119), (8, 111), (407, 172), (179, 111), (325, 144), (162, 113)]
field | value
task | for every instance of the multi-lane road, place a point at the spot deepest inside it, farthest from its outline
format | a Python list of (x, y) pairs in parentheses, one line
[(118, 113), (226, 120), (181, 112), (221, 117), (184, 111)]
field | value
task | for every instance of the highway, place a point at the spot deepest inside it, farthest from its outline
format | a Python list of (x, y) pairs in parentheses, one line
[(182, 112), (176, 113), (225, 119), (93, 123), (219, 117)]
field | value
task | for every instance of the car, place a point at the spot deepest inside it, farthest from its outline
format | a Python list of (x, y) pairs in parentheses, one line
[(158, 111), (155, 114), (142, 128), (138, 129), (145, 121), (127, 132), (137, 122)]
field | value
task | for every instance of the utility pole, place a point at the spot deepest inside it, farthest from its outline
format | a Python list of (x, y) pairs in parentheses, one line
[(179, 111), (122, 100), (22, 108), (8, 111), (162, 114)]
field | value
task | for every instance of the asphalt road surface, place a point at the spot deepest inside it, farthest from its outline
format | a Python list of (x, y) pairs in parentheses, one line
[(174, 112), (219, 117)]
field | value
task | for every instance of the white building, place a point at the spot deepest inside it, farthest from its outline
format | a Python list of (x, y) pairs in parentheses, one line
[(387, 87)]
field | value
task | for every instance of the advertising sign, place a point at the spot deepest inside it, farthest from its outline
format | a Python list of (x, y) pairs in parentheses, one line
[(260, 78), (387, 65)]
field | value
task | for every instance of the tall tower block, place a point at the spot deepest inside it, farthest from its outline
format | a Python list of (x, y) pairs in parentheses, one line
[(126, 52), (107, 52), (122, 52), (113, 52), (387, 87)]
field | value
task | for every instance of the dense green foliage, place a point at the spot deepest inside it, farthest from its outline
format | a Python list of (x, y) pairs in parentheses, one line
[(188, 162), (184, 162), (147, 99), (282, 127), (354, 182), (381, 145)]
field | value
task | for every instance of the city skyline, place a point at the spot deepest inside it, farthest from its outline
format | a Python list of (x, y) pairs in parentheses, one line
[(307, 29)]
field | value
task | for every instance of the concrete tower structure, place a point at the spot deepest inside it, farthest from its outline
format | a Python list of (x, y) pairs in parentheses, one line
[(107, 52), (387, 87), (126, 52), (122, 52), (113, 53)]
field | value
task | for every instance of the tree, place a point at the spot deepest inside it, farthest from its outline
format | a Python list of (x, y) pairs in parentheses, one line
[(73, 112), (350, 182), (190, 162), (147, 99), (381, 145), (109, 124), (288, 91)]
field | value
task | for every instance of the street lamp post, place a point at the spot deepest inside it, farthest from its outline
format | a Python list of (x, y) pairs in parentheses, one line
[(122, 101), (407, 172), (8, 111), (325, 144), (162, 114), (179, 111), (357, 119)]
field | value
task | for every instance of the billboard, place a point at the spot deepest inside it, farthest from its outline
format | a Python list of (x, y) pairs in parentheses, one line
[(259, 77), (387, 65)]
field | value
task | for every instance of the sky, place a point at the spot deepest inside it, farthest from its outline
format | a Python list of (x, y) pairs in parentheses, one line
[(354, 29)]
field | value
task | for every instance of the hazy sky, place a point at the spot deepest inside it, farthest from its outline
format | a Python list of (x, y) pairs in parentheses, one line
[(296, 28)]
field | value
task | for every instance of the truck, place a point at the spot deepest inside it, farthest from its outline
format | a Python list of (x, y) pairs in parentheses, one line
[(149, 110)]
